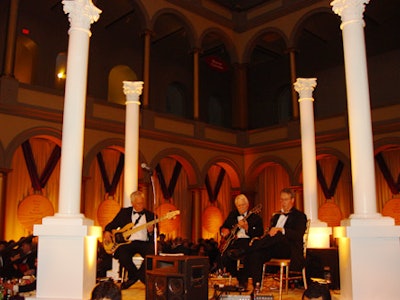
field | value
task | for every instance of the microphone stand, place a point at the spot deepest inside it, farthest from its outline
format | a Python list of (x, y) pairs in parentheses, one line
[(154, 206)]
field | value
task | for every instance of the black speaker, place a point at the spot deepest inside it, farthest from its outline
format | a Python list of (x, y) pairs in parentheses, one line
[(176, 277), (318, 260)]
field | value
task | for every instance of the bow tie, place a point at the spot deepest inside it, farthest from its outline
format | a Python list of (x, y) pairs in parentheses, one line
[(135, 212)]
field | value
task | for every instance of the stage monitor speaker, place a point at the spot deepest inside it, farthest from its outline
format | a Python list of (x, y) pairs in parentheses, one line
[(235, 297), (319, 259), (176, 277)]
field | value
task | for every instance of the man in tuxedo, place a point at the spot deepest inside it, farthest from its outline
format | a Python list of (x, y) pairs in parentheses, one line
[(141, 242), (243, 225), (284, 238)]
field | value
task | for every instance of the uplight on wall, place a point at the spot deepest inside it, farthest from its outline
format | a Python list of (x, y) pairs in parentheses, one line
[(61, 75), (60, 70), (319, 237)]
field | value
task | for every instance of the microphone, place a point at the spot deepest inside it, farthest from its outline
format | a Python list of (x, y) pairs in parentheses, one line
[(146, 167)]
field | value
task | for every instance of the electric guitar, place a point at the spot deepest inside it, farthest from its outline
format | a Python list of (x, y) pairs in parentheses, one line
[(228, 239), (121, 236)]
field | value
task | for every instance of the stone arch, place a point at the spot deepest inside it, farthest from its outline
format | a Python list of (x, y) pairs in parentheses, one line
[(227, 41), (258, 165), (176, 98), (46, 132), (267, 56), (185, 159), (266, 177), (117, 144), (231, 168), (116, 76), (190, 29), (298, 27), (343, 196), (251, 43), (320, 151), (388, 149), (386, 143), (144, 16)]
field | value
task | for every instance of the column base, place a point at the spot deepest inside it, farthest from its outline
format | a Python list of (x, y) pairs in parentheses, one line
[(369, 258), (319, 235), (67, 252)]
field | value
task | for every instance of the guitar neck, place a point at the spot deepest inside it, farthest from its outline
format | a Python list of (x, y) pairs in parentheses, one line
[(142, 226)]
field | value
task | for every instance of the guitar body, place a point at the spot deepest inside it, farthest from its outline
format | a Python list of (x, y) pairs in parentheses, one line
[(117, 239), (121, 236), (230, 238), (226, 242)]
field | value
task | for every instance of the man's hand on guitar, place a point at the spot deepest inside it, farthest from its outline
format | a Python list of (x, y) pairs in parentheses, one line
[(225, 232), (107, 237), (243, 224), (150, 228), (274, 230)]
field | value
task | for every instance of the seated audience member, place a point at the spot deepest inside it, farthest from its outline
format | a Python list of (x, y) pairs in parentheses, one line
[(284, 238), (243, 226), (316, 291), (106, 290), (27, 262), (25, 284), (3, 247), (20, 259)]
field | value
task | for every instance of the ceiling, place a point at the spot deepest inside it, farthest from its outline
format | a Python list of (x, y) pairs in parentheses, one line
[(240, 5)]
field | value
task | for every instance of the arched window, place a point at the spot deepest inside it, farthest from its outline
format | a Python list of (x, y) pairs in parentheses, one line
[(284, 105), (215, 111), (175, 99), (117, 75), (25, 56), (61, 70)]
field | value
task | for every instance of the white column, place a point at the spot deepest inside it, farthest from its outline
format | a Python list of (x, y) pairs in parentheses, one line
[(81, 13), (68, 241), (132, 90), (319, 233), (359, 111), (368, 243)]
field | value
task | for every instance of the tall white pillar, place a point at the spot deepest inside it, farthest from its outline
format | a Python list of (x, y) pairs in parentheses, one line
[(368, 243), (132, 90), (68, 241), (319, 232)]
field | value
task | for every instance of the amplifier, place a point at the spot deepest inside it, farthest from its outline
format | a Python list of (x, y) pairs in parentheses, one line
[(264, 297), (235, 297), (176, 277)]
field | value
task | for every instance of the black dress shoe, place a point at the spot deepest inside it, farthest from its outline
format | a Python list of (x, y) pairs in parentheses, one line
[(127, 284)]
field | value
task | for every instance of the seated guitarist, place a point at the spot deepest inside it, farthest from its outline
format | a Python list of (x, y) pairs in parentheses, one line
[(239, 228), (141, 242)]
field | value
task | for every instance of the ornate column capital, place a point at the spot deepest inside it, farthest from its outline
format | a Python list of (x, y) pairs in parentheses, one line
[(305, 88), (351, 11), (132, 90), (81, 14)]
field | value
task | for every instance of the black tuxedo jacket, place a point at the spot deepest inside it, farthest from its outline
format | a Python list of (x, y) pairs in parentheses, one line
[(295, 228), (256, 227), (124, 217)]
